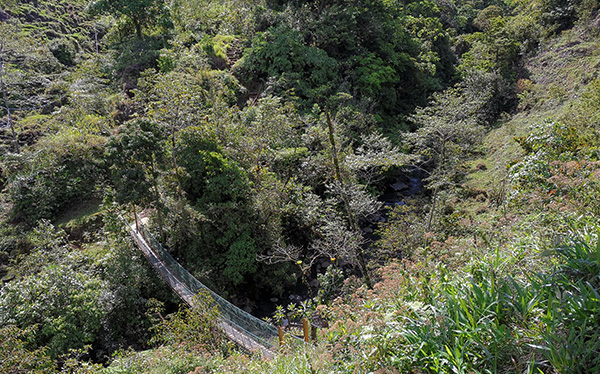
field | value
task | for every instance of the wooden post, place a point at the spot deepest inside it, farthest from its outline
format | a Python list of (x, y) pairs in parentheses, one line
[(313, 334), (305, 327), (336, 160), (280, 331)]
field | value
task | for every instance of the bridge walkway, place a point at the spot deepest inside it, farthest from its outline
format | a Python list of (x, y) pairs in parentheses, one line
[(248, 332)]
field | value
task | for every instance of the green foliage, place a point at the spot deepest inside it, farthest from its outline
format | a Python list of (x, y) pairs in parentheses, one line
[(374, 50), (491, 53), (218, 189), (135, 154), (571, 309), (473, 327), (16, 358), (485, 320), (212, 17), (185, 96), (163, 360), (450, 129), (193, 329), (131, 58), (269, 135), (584, 114), (403, 232), (329, 284), (373, 158), (279, 54), (552, 171), (57, 295), (60, 27), (73, 297), (216, 47), (27, 74), (290, 177), (211, 179), (64, 305), (388, 54), (143, 14), (372, 74), (554, 139), (60, 169), (129, 282)]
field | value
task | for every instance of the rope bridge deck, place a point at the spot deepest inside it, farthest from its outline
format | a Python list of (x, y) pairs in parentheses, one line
[(247, 331)]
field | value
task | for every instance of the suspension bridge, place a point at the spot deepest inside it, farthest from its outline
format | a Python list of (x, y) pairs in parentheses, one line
[(245, 330)]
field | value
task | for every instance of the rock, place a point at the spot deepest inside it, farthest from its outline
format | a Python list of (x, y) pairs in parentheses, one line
[(376, 217), (399, 186), (273, 299)]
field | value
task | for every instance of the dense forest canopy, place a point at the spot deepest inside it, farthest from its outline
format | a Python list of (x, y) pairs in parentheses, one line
[(420, 175)]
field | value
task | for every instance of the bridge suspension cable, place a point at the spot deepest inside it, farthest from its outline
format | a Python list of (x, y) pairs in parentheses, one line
[(249, 332)]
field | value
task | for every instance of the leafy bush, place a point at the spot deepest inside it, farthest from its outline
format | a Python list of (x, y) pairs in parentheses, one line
[(142, 14), (551, 172), (58, 171), (64, 304), (195, 329), (212, 17), (136, 154), (484, 319), (280, 54), (217, 189), (15, 357), (163, 360)]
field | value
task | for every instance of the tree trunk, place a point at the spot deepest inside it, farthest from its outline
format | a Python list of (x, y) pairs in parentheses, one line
[(351, 219), (336, 162), (175, 164), (359, 252), (432, 210), (437, 187), (138, 28), (157, 199)]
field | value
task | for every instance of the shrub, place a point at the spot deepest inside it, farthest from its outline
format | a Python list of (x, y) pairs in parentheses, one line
[(64, 305), (15, 357), (218, 190), (279, 54), (194, 329), (60, 170)]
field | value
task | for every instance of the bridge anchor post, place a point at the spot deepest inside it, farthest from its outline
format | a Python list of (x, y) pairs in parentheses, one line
[(305, 329), (280, 331)]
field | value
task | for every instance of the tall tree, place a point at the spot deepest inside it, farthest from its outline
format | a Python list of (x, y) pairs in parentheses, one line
[(141, 13), (449, 128), (136, 153)]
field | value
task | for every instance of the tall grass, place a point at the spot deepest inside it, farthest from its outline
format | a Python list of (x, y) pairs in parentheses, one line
[(489, 316)]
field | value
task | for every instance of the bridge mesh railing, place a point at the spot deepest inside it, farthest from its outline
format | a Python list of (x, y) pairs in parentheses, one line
[(257, 329)]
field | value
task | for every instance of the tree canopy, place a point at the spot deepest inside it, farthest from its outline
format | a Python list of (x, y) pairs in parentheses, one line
[(142, 14), (417, 177)]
